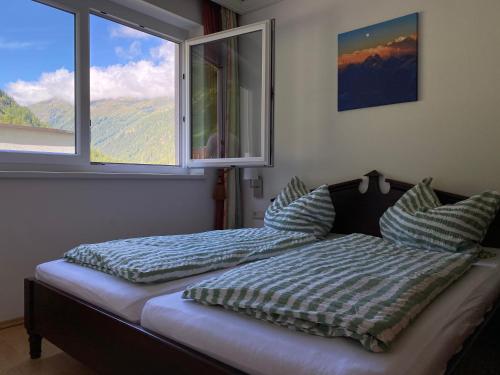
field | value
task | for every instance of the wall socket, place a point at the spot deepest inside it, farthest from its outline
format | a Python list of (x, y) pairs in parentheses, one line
[(258, 215)]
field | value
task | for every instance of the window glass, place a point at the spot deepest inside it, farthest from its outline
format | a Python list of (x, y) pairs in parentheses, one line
[(226, 93), (133, 80), (37, 83)]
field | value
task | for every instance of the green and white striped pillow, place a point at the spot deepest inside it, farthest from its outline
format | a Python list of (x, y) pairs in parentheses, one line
[(297, 210), (419, 220)]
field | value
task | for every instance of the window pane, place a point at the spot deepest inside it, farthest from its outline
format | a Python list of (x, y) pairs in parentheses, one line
[(37, 84), (132, 93), (226, 87)]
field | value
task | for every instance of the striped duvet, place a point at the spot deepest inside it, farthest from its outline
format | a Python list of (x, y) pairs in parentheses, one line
[(357, 286), (164, 258)]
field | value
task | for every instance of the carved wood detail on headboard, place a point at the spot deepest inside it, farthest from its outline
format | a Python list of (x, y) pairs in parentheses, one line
[(358, 212)]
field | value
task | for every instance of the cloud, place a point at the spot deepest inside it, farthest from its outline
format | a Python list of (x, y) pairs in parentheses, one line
[(140, 80), (130, 53), (4, 44), (164, 52), (143, 79), (58, 84), (128, 32)]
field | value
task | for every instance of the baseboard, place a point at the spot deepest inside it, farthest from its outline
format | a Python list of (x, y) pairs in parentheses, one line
[(11, 323)]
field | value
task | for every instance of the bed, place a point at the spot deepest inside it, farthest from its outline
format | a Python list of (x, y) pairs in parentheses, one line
[(257, 347), (108, 292), (108, 343)]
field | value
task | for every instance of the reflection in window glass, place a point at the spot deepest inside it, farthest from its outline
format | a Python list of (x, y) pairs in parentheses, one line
[(37, 84), (132, 94), (226, 87)]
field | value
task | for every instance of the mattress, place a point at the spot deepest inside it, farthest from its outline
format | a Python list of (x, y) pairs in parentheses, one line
[(258, 347), (111, 293)]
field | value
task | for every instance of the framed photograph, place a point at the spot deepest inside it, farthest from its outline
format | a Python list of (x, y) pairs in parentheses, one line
[(378, 64)]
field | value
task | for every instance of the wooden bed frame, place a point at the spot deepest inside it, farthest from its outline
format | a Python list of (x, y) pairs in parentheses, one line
[(109, 344)]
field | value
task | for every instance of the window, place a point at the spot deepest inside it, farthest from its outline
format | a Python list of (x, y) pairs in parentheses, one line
[(107, 89), (132, 95), (229, 97), (37, 80)]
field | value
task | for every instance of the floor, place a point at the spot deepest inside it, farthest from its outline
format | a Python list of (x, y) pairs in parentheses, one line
[(484, 359), (14, 358)]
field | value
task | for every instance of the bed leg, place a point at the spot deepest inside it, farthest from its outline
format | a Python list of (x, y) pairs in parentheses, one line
[(35, 345), (34, 339)]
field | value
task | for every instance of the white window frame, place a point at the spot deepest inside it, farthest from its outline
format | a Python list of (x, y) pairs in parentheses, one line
[(15, 161), (266, 28)]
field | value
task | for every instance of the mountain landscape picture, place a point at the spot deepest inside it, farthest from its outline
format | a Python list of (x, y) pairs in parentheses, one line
[(378, 64), (132, 87)]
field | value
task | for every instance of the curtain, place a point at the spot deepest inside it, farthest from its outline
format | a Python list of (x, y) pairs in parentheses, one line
[(227, 191), (212, 17), (232, 204)]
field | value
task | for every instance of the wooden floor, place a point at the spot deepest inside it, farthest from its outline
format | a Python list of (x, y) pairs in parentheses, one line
[(14, 357)]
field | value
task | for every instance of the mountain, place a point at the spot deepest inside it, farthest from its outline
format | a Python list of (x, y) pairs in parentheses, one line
[(57, 113), (137, 131), (14, 114), (378, 81)]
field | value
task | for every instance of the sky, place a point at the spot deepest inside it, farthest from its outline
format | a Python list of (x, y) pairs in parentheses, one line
[(37, 56), (378, 34)]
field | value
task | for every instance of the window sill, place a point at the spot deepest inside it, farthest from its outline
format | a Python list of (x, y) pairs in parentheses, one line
[(191, 175)]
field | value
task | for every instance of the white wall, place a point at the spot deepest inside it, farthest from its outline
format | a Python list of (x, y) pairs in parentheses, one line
[(189, 9), (42, 218), (451, 133)]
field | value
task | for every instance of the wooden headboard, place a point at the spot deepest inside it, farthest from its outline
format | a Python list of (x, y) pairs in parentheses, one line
[(358, 212)]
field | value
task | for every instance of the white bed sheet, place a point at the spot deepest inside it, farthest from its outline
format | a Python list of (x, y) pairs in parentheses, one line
[(258, 347), (111, 293)]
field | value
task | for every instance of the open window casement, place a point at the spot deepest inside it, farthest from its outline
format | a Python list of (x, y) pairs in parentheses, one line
[(229, 104)]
